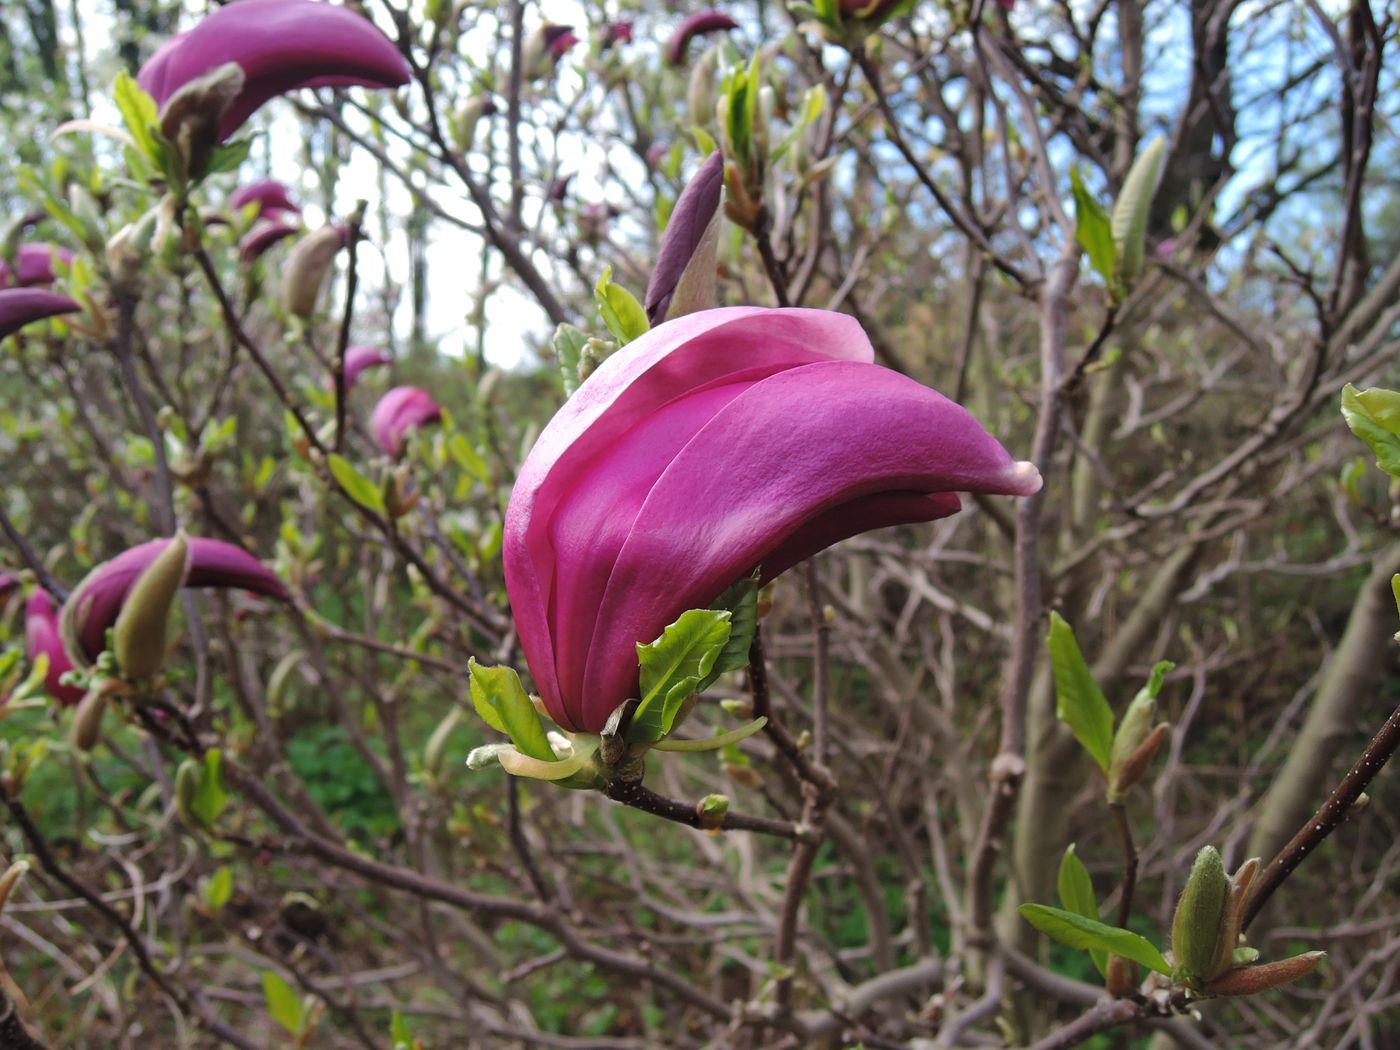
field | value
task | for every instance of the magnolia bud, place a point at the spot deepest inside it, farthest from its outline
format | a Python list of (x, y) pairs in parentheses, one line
[(700, 97), (593, 354), (139, 635), (1196, 925), (128, 248), (10, 880), (1224, 956), (307, 266), (1124, 773), (187, 779), (712, 809), (84, 208), (1122, 977), (468, 115), (87, 720), (1248, 980)]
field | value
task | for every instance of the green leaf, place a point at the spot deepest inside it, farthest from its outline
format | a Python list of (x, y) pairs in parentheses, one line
[(1076, 931), (1374, 417), (219, 888), (358, 487), (740, 600), (139, 114), (714, 743), (210, 797), (619, 308), (518, 765), (503, 704), (228, 156), (468, 458), (1133, 206), (283, 1005), (1077, 895), (568, 347), (1079, 702), (1093, 231), (399, 1032), (674, 666)]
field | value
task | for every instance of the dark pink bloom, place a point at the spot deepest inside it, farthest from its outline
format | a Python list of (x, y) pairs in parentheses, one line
[(281, 45), (559, 39), (34, 265), (400, 410), (94, 604), (358, 358), (696, 25), (264, 234), (694, 209), (22, 306), (616, 33), (718, 443), (41, 635), (271, 197)]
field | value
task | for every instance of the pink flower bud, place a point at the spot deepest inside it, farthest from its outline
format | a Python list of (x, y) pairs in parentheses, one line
[(41, 635), (400, 410), (358, 358), (22, 306), (696, 25)]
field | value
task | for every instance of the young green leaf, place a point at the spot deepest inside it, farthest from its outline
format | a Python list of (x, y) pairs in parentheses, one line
[(358, 487), (673, 668), (740, 600), (1374, 417), (1077, 895), (283, 1005), (503, 704), (468, 458), (210, 797), (568, 347), (1079, 703), (714, 743), (399, 1033), (139, 114), (1093, 231), (1133, 206), (619, 308), (219, 888), (1078, 932)]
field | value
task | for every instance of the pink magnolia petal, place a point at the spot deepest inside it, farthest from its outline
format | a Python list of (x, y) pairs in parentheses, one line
[(358, 358), (94, 604), (271, 197), (787, 451), (264, 234), (698, 24), (281, 45), (400, 410), (22, 306), (41, 635)]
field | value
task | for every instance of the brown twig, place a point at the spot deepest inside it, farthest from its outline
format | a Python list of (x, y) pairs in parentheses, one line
[(632, 793), (352, 241), (1130, 862)]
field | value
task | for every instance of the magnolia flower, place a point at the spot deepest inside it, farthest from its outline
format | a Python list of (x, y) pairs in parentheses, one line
[(264, 234), (33, 265), (95, 603), (271, 197), (543, 49), (41, 635), (400, 410), (686, 233), (716, 444), (281, 45), (358, 358), (615, 33), (696, 25), (308, 266), (22, 306)]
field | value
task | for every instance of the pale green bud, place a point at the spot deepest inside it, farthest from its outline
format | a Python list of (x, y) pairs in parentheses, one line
[(139, 636)]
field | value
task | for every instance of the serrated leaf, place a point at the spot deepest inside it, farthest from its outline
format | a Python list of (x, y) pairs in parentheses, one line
[(1079, 702), (283, 1005), (1076, 931), (210, 797), (714, 743), (1076, 891), (672, 668), (219, 888), (503, 704), (1374, 416), (1134, 204), (619, 308), (1093, 230), (358, 487)]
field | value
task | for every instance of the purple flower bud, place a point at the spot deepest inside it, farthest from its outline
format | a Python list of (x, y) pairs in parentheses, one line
[(281, 45), (358, 358), (96, 602), (558, 39), (716, 444), (264, 234), (34, 265), (41, 635), (271, 197), (656, 152), (697, 205), (696, 25), (22, 306), (399, 411)]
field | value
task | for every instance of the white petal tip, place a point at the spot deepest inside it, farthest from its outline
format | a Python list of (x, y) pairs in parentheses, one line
[(1024, 478)]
